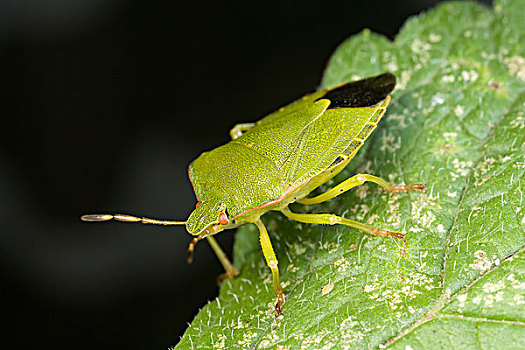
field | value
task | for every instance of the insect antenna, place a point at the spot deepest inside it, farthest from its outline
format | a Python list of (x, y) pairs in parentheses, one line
[(127, 218)]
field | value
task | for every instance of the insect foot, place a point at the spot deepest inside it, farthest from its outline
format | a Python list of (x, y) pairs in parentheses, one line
[(226, 275), (404, 188), (389, 234), (280, 302)]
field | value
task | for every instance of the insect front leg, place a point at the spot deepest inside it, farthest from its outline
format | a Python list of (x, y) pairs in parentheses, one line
[(239, 129), (358, 180), (331, 219), (271, 261), (231, 271)]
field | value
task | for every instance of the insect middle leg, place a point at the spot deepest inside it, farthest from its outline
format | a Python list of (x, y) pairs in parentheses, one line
[(239, 129), (355, 181), (271, 261), (231, 271), (331, 219)]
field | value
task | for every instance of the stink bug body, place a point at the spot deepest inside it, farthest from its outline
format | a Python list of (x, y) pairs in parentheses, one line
[(279, 160)]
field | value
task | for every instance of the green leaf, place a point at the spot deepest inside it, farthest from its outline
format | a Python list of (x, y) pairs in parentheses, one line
[(456, 123)]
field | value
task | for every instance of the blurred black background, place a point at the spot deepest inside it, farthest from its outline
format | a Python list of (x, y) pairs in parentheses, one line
[(103, 105)]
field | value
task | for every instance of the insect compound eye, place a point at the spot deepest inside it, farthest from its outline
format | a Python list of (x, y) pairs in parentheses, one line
[(223, 219)]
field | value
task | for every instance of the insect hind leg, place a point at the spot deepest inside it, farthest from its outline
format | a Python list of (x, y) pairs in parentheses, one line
[(331, 219), (358, 180)]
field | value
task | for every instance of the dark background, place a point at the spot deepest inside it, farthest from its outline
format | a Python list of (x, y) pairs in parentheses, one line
[(103, 105)]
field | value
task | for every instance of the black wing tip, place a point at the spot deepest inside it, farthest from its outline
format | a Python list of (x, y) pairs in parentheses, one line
[(362, 93), (386, 80)]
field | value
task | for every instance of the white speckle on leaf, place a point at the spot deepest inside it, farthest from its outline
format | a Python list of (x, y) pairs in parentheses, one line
[(448, 78), (403, 81), (421, 48), (450, 136), (420, 209), (434, 38), (360, 211), (361, 191), (292, 268), (382, 248), (516, 66), (415, 229), (342, 264), (390, 143), (484, 166), (458, 111), (518, 299), (516, 284), (399, 120), (331, 246), (299, 249), (493, 287), (395, 216), (369, 287), (391, 66), (482, 262), (427, 218), (461, 299), (220, 344), (518, 122), (247, 338), (371, 219), (463, 167), (470, 75), (437, 99)]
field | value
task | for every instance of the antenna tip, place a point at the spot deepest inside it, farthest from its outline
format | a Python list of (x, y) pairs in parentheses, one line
[(96, 217)]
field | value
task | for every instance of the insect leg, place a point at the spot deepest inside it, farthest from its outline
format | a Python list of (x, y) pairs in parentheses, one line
[(191, 248), (231, 271), (239, 129), (271, 261), (331, 219), (355, 181)]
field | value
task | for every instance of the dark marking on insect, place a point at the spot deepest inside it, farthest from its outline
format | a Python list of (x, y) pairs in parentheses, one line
[(337, 160), (367, 129), (355, 144), (362, 93)]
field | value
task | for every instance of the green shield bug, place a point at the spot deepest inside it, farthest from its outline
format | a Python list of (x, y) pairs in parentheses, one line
[(279, 160)]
